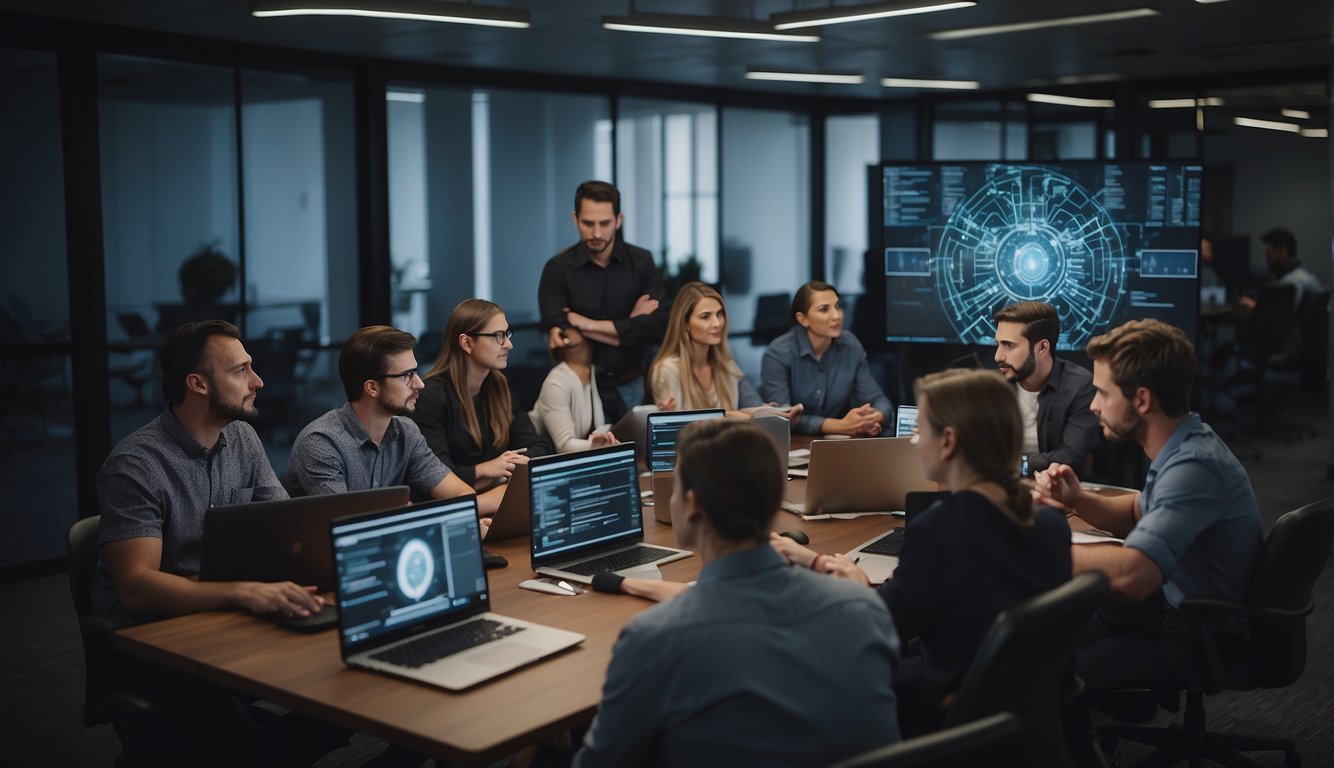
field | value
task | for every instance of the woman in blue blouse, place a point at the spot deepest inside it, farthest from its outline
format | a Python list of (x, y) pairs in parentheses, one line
[(823, 367)]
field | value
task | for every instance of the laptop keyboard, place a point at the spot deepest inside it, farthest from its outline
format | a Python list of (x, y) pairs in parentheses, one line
[(618, 561), (446, 642), (890, 544)]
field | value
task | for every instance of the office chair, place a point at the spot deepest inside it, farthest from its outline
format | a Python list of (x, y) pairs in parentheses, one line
[(771, 320), (994, 741), (1276, 606), (1264, 339), (1024, 665), (103, 701)]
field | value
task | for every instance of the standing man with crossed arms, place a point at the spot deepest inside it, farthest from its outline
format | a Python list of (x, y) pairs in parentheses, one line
[(610, 291)]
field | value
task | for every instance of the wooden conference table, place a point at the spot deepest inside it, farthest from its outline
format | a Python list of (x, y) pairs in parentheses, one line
[(305, 673)]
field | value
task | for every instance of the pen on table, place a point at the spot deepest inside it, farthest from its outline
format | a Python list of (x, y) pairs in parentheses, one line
[(856, 559)]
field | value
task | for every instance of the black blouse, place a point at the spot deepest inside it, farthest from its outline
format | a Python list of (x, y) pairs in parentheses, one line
[(440, 416)]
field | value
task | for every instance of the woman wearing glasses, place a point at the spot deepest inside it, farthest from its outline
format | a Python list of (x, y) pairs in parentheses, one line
[(466, 412), (694, 368)]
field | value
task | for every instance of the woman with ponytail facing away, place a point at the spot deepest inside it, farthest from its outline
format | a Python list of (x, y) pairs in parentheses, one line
[(977, 552)]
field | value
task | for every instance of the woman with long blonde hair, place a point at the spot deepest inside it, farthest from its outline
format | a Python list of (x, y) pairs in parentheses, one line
[(466, 412), (694, 368)]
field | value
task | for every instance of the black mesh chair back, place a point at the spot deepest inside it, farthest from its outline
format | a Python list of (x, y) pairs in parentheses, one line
[(1024, 666)]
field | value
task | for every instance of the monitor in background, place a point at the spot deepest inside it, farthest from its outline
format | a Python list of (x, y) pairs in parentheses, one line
[(662, 429), (905, 420), (1104, 242)]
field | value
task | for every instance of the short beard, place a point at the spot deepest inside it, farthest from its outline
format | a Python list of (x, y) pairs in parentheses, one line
[(398, 410), (229, 412), (1030, 365)]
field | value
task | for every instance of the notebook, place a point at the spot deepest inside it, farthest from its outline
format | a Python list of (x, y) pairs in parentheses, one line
[(905, 420), (512, 517), (285, 540), (861, 476), (879, 557), (662, 429), (587, 515), (413, 600)]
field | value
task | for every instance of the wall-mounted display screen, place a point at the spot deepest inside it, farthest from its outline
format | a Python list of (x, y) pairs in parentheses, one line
[(1103, 242)]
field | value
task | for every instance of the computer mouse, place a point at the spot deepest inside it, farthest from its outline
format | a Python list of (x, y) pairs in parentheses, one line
[(551, 588), (326, 617), (492, 560), (798, 536)]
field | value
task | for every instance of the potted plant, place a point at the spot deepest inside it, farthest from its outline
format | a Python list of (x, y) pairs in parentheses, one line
[(206, 275)]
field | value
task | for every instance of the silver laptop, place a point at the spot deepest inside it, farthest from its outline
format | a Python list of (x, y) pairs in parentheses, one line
[(860, 476), (662, 429), (633, 428), (905, 420), (413, 600), (587, 515), (512, 517), (878, 557), (283, 540)]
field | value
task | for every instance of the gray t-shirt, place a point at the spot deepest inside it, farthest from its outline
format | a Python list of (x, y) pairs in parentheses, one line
[(159, 481), (334, 454)]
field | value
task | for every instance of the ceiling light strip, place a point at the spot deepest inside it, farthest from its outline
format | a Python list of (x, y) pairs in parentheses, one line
[(950, 85), (805, 77), (1296, 114), (703, 26), (1316, 133), (411, 10), (1272, 125), (1025, 26), (1071, 101), (1212, 101), (850, 13)]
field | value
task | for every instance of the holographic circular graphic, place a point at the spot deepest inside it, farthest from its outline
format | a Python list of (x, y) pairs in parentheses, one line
[(1030, 234), (416, 569)]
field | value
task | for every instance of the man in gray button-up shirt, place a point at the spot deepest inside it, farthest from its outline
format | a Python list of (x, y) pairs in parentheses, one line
[(157, 483), (369, 442)]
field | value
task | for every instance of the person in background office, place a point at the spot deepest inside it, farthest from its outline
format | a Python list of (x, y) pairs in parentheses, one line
[(466, 412), (610, 291), (1194, 531), (1054, 394), (369, 441), (822, 366), (969, 557), (1281, 259), (569, 408), (757, 663), (153, 491), (694, 368)]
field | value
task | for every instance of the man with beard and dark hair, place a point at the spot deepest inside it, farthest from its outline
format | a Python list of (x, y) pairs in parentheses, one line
[(153, 492), (369, 442), (1054, 394), (157, 483), (1194, 531)]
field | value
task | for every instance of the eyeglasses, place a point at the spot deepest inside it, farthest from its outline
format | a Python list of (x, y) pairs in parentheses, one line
[(405, 376), (500, 337)]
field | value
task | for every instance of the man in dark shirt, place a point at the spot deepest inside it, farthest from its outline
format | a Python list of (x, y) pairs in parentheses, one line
[(610, 291), (1054, 395)]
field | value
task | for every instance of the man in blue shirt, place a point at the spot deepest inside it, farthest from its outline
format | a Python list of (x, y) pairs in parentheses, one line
[(370, 442), (758, 663), (1194, 531)]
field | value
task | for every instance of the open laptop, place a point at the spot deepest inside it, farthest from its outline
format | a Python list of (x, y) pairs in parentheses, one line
[(633, 428), (285, 540), (905, 420), (587, 516), (879, 557), (413, 600), (512, 517), (865, 475), (662, 429)]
